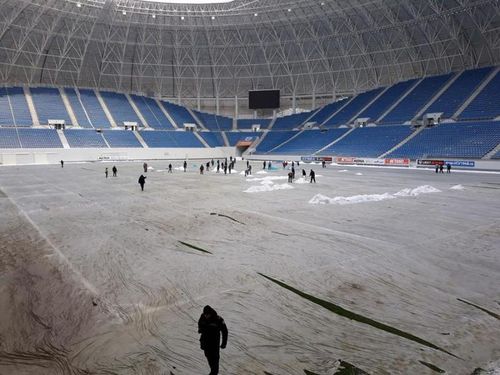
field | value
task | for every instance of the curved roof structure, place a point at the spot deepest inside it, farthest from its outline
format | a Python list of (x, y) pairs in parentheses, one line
[(303, 47)]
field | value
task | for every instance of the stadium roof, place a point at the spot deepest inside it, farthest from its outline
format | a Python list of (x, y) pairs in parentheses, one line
[(224, 49)]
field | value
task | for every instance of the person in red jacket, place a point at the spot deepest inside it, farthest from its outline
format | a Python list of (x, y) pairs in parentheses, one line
[(211, 326)]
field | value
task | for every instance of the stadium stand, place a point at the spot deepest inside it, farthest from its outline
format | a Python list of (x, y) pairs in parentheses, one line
[(213, 139), (120, 108), (162, 138), (152, 113), (19, 105), (39, 138), (416, 99), (352, 108), (369, 141), (496, 156), (458, 92), (386, 100), (247, 123), (325, 112), (121, 138), (93, 108), (179, 114), (234, 137), (464, 140), (80, 138), (6, 118), (486, 104), (310, 141), (214, 122), (9, 138), (77, 107), (273, 139), (291, 121), (49, 105)]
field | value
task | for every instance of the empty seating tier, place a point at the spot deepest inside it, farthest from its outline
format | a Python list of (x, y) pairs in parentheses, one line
[(39, 138), (9, 138), (120, 108), (49, 105), (93, 109), (369, 142), (167, 139), (356, 104), (291, 121), (325, 112), (6, 118), (486, 105), (408, 108), (234, 137), (213, 139), (152, 113), (179, 114), (247, 123), (121, 138), (19, 106), (79, 138), (464, 140), (77, 106), (310, 141), (386, 100), (449, 102), (214, 122), (273, 139)]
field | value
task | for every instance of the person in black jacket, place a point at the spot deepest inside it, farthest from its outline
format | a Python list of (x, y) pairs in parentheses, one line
[(142, 181), (211, 325)]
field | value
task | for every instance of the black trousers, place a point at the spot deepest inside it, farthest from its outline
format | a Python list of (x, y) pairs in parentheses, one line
[(213, 361)]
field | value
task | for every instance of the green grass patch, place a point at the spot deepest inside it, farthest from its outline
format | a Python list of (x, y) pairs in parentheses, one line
[(357, 317), (480, 308), (432, 367), (195, 247)]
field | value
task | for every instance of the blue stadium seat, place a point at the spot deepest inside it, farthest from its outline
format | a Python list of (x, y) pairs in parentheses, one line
[(486, 104), (273, 139), (20, 110), (120, 108), (352, 108), (77, 107), (9, 138), (93, 108), (214, 122), (39, 138), (121, 138), (49, 105), (369, 141), (179, 114), (152, 113), (213, 139), (80, 138), (310, 141), (452, 140), (416, 99), (247, 123), (386, 100), (458, 92), (291, 121)]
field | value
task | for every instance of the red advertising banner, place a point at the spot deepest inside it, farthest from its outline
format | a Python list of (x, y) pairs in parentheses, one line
[(344, 160), (404, 162)]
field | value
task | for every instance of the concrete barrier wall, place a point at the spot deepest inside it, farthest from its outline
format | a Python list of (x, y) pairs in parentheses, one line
[(54, 156)]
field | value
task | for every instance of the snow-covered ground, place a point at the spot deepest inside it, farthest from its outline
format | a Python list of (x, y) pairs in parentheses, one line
[(95, 279)]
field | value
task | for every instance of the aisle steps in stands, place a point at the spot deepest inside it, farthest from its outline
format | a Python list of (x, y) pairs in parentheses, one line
[(335, 141), (440, 92), (31, 106), (412, 135), (136, 110), (105, 109), (68, 107), (401, 98)]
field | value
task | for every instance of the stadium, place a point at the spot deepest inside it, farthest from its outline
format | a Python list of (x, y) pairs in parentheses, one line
[(325, 174)]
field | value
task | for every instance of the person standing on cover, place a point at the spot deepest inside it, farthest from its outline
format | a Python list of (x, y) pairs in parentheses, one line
[(185, 165), (211, 326), (106, 172), (142, 181), (62, 163), (145, 166), (114, 170), (312, 174)]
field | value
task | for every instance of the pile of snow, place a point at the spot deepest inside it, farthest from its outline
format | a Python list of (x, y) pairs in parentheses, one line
[(359, 174), (267, 178), (261, 172), (343, 170), (269, 186), (301, 180), (179, 168), (323, 199), (424, 189), (457, 187)]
